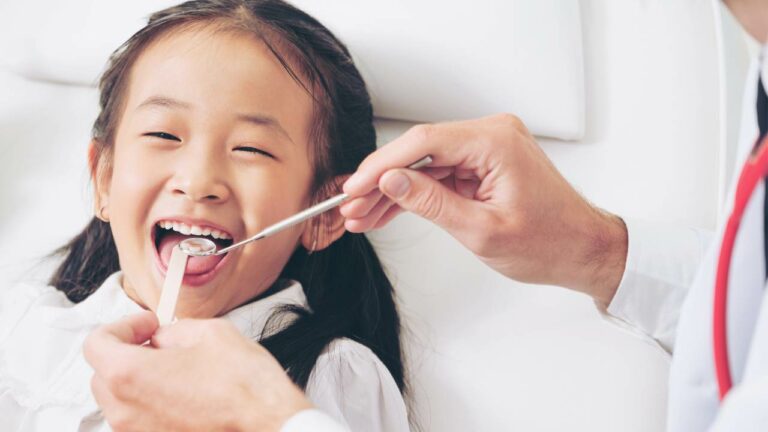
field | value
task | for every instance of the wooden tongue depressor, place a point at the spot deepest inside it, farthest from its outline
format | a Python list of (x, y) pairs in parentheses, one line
[(171, 287)]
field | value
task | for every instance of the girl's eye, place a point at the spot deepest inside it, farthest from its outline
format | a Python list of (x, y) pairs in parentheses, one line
[(255, 150), (163, 135)]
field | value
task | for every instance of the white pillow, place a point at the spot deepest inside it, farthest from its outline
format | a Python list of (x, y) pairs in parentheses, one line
[(68, 42), (437, 60), (424, 61)]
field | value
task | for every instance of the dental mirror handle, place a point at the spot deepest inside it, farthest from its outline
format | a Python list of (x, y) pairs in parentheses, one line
[(308, 213)]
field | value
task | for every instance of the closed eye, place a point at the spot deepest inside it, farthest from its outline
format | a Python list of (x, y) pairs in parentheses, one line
[(163, 135), (255, 150)]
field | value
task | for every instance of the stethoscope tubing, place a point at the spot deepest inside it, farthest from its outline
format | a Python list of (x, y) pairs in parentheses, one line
[(754, 170)]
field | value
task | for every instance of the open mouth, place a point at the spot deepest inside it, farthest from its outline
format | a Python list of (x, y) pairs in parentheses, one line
[(166, 234)]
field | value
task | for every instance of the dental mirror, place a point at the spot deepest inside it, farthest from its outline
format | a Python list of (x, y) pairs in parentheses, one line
[(198, 246)]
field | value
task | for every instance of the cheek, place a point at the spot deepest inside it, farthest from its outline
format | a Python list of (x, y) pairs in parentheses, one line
[(265, 200), (135, 181), (272, 195), (132, 191)]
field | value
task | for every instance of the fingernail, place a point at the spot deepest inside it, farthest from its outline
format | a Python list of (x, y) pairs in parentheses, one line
[(396, 185)]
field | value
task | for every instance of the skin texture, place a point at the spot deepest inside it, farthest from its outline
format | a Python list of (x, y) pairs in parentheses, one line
[(526, 221), (187, 85)]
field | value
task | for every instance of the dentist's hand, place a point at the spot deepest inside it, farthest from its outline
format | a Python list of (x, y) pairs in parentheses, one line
[(493, 189), (203, 376)]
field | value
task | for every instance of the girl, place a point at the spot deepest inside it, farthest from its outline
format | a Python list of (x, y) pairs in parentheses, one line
[(217, 119)]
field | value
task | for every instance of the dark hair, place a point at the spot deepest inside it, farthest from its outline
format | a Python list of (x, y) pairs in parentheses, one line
[(348, 292)]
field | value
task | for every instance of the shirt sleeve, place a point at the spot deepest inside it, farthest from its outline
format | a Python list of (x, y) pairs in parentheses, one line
[(312, 420), (353, 386), (661, 264)]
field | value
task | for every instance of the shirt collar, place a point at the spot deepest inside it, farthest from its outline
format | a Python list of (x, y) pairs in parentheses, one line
[(110, 303), (252, 317)]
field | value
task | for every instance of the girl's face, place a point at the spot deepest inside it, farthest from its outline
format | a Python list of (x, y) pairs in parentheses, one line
[(213, 136)]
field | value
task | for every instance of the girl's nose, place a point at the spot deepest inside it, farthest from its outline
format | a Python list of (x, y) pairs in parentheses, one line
[(199, 179)]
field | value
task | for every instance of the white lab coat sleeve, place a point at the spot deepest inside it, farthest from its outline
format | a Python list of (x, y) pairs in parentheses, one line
[(661, 264), (312, 420), (353, 386), (744, 408)]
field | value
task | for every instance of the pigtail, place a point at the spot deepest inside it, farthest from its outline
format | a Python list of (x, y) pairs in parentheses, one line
[(348, 295), (89, 259)]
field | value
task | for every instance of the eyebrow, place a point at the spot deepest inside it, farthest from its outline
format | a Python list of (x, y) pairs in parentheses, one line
[(164, 102), (264, 120), (256, 119)]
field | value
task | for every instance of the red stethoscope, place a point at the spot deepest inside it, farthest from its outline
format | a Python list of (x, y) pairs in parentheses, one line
[(754, 170)]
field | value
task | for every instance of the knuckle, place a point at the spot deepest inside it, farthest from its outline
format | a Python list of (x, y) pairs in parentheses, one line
[(365, 165), (423, 132), (119, 378), (510, 120)]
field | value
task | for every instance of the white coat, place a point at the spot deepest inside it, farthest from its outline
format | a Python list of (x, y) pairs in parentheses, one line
[(661, 296)]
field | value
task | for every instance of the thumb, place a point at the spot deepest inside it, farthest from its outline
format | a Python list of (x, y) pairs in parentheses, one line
[(133, 329), (101, 345), (421, 194)]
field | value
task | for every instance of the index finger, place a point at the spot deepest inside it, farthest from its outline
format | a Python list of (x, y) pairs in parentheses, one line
[(446, 143), (118, 339)]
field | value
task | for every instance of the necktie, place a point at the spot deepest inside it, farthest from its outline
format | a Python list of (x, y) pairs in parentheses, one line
[(762, 122)]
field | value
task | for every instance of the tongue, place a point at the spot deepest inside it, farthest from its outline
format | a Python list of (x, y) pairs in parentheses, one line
[(195, 265)]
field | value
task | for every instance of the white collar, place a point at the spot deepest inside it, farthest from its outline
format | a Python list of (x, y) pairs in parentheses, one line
[(52, 332), (110, 303)]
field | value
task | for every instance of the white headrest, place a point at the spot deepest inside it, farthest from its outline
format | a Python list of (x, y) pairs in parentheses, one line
[(424, 61)]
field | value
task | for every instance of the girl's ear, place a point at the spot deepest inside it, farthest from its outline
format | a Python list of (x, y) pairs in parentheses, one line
[(100, 176), (331, 225), (316, 238)]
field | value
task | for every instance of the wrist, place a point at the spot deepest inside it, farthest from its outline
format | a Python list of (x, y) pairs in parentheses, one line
[(609, 249), (601, 259)]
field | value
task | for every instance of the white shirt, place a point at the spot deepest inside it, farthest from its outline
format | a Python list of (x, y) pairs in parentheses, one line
[(655, 300), (45, 380)]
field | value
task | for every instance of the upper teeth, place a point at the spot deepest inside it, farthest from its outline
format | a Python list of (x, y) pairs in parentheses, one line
[(193, 230)]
